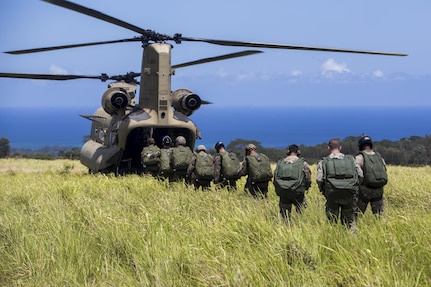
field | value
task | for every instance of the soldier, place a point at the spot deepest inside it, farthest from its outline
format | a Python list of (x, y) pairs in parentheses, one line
[(375, 177), (165, 158), (292, 177), (226, 165), (257, 167), (181, 157), (201, 168), (338, 176), (150, 158)]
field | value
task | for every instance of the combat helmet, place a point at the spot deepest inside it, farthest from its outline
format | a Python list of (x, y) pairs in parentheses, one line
[(218, 146), (364, 141), (250, 146), (201, 147), (166, 140), (292, 148), (180, 140)]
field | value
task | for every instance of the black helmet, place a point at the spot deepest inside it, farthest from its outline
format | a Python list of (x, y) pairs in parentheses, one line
[(292, 148), (365, 141), (166, 140), (218, 146)]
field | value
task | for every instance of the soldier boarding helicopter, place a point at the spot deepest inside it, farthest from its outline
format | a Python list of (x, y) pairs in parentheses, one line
[(121, 126)]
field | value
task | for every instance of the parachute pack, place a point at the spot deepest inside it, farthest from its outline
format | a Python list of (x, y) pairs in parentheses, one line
[(230, 165), (259, 168), (165, 160), (375, 174), (181, 157), (288, 176), (204, 168), (148, 158), (341, 172)]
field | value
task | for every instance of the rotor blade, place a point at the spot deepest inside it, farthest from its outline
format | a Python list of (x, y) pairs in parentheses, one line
[(96, 14), (218, 58), (47, 76), (283, 46), (36, 50)]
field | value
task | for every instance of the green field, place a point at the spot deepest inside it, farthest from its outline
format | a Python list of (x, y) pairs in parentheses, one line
[(60, 226)]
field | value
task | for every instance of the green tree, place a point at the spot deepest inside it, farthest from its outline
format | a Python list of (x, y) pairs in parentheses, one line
[(73, 153), (411, 151), (4, 147)]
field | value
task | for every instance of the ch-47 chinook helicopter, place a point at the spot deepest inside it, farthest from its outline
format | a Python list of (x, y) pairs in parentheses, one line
[(121, 126)]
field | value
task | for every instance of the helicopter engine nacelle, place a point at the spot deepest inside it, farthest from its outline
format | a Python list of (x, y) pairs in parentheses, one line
[(185, 101), (115, 100)]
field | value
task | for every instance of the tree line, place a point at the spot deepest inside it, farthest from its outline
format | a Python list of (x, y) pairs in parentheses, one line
[(412, 151), (46, 153)]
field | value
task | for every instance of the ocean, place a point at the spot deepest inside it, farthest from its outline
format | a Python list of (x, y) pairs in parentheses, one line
[(272, 126), (281, 126)]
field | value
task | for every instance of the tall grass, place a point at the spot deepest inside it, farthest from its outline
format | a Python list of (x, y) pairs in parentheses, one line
[(60, 226)]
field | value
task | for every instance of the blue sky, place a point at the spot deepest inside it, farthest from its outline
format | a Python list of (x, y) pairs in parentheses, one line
[(273, 78)]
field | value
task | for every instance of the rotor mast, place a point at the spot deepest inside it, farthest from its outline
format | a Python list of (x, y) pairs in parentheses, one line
[(155, 85)]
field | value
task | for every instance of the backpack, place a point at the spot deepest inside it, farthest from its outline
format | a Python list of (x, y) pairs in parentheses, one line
[(165, 160), (289, 176), (181, 157), (340, 173), (204, 168), (147, 156), (375, 174), (259, 167), (230, 165)]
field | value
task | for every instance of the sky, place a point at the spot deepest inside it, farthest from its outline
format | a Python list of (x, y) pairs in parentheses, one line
[(273, 78)]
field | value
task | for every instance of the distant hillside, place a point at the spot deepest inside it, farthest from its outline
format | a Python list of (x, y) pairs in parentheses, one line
[(47, 150)]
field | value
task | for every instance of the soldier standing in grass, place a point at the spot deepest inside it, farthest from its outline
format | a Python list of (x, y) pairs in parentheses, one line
[(257, 167), (292, 177), (375, 177), (226, 165), (181, 157), (338, 176), (201, 168), (165, 155), (150, 158)]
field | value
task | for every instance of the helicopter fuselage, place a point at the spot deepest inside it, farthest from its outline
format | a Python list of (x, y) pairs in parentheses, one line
[(121, 127)]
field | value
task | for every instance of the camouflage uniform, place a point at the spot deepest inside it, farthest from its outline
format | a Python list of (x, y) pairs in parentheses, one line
[(367, 194), (338, 201), (149, 152)]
